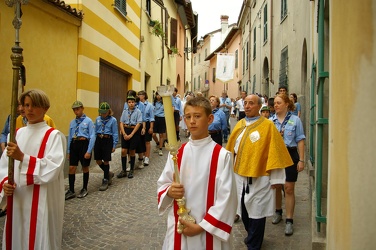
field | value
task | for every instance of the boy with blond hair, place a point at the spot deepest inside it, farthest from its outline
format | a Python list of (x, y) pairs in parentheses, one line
[(207, 183)]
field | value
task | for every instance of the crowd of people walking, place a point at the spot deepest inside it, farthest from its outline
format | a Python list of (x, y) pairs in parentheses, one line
[(262, 158)]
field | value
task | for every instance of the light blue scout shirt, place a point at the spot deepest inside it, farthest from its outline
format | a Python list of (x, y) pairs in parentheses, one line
[(219, 122), (147, 111), (297, 108), (131, 117), (82, 127), (176, 102), (227, 101), (293, 132), (107, 126), (6, 130), (159, 109)]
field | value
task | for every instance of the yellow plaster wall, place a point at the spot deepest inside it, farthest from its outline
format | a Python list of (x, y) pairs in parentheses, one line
[(50, 57), (106, 35), (352, 172)]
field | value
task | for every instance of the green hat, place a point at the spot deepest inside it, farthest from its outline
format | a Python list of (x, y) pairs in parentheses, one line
[(265, 108), (77, 104), (131, 97), (104, 107)]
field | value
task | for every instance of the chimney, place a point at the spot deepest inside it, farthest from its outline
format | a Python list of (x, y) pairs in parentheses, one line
[(224, 26)]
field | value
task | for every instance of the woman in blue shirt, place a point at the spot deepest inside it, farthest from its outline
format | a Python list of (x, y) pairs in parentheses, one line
[(219, 124), (291, 130), (297, 110), (159, 123)]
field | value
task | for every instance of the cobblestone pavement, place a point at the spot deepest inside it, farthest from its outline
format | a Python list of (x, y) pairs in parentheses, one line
[(126, 217)]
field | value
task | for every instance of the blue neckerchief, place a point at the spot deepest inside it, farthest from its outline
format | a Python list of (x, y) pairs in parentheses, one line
[(104, 122), (250, 119), (130, 115), (283, 125), (24, 121), (78, 122)]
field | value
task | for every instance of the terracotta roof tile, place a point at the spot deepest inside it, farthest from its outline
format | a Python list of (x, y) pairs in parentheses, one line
[(67, 8)]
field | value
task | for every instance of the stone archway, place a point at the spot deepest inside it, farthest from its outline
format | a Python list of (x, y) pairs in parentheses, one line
[(179, 85)]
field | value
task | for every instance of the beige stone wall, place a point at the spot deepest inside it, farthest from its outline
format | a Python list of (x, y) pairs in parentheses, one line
[(352, 172)]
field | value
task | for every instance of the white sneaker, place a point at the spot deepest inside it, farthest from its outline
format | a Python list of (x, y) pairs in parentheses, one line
[(160, 153), (146, 161), (141, 164)]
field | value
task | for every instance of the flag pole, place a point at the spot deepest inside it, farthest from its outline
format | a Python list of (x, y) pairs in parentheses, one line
[(17, 60)]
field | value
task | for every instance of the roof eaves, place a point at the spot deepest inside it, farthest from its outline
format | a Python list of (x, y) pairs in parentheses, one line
[(67, 8)]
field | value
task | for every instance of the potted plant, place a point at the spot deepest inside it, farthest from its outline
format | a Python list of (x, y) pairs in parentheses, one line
[(157, 29), (173, 50)]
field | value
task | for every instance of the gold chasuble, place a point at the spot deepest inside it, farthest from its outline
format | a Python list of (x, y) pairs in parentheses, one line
[(261, 148), (47, 119)]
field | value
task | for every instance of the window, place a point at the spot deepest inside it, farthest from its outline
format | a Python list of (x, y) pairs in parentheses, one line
[(199, 57), (236, 59), (214, 74), (283, 67), (243, 61), (206, 76), (121, 6), (254, 84), (174, 32), (148, 7), (206, 53), (194, 83), (254, 43), (283, 9), (265, 23), (194, 60), (247, 55)]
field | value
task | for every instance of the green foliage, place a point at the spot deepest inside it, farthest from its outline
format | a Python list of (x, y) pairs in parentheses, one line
[(173, 51), (157, 29)]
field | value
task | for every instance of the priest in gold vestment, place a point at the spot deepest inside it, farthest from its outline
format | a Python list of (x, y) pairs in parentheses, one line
[(260, 157)]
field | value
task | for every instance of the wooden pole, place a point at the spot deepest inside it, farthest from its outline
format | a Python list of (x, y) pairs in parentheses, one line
[(17, 60)]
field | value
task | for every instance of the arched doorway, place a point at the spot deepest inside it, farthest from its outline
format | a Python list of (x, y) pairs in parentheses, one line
[(178, 85), (265, 78)]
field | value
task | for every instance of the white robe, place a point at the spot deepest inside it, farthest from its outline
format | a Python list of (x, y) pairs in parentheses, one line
[(194, 175), (182, 124), (260, 200), (44, 173)]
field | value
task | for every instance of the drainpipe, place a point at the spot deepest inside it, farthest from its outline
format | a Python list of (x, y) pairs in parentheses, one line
[(185, 58), (249, 49), (321, 121), (271, 46), (312, 113), (191, 89), (162, 48)]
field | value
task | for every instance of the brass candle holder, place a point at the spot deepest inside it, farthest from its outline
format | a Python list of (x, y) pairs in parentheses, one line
[(173, 146)]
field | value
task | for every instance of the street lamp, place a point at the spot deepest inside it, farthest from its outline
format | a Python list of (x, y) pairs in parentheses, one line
[(17, 60)]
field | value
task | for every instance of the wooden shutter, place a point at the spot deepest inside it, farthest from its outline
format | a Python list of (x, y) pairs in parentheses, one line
[(174, 32)]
